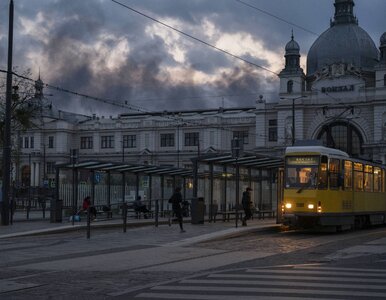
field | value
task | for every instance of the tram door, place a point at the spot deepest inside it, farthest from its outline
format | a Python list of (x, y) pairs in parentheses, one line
[(280, 195)]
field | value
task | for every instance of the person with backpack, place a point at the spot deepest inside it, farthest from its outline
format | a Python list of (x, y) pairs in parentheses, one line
[(176, 201)]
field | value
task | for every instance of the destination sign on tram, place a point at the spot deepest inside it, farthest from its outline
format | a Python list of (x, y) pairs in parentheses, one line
[(303, 160)]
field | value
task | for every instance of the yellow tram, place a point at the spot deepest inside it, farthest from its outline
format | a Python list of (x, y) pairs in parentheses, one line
[(326, 187)]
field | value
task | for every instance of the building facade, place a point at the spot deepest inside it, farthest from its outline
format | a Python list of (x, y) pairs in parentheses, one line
[(340, 100)]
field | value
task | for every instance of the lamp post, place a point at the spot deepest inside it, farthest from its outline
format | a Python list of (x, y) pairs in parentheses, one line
[(293, 116)]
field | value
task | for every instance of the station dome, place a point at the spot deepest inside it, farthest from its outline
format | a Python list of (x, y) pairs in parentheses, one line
[(383, 39), (292, 47), (343, 42)]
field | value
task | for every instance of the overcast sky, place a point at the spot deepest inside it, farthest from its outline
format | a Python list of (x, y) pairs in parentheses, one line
[(99, 48)]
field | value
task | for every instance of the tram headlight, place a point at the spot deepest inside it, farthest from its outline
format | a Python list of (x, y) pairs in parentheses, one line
[(319, 207), (288, 205), (311, 206)]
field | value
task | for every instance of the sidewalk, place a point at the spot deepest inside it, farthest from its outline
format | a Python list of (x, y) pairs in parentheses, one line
[(196, 233)]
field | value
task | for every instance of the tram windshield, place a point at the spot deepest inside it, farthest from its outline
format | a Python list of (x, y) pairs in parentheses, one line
[(302, 172)]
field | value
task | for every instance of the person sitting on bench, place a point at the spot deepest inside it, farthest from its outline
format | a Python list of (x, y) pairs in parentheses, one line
[(140, 208), (86, 205)]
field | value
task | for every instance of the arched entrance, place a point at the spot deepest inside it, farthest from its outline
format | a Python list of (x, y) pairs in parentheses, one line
[(343, 136)]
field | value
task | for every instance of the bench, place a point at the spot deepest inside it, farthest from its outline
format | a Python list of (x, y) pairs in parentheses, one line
[(262, 213), (104, 210), (131, 212), (226, 215)]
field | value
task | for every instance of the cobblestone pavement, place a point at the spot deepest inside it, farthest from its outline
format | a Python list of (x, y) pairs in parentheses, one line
[(67, 265), (113, 264)]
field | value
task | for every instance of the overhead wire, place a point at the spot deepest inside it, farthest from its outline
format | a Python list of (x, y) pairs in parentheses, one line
[(195, 38), (120, 104)]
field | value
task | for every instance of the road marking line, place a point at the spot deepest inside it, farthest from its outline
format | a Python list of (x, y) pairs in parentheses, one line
[(287, 283), (222, 297), (313, 272), (303, 278), (226, 289)]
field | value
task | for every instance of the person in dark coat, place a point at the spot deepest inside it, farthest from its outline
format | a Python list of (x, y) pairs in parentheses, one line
[(247, 205), (176, 201), (139, 207)]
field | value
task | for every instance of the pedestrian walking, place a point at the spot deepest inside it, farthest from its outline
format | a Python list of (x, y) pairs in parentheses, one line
[(247, 205), (176, 201)]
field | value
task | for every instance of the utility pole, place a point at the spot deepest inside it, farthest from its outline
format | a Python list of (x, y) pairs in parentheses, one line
[(7, 127)]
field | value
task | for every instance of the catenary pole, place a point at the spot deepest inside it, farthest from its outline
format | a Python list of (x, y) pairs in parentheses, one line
[(7, 127)]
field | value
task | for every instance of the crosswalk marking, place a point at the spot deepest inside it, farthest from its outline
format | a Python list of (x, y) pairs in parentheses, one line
[(304, 278), (301, 282), (340, 269), (236, 290), (316, 272), (223, 297)]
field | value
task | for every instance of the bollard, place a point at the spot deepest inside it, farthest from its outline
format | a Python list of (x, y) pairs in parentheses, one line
[(28, 208), (156, 212), (43, 204), (124, 216)]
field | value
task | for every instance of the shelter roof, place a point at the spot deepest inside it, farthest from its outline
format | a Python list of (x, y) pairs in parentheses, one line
[(105, 166), (254, 161)]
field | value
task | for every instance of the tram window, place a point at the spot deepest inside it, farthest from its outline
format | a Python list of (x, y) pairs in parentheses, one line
[(334, 169), (383, 181), (323, 175), (377, 179), (301, 172), (347, 175), (358, 177), (368, 178)]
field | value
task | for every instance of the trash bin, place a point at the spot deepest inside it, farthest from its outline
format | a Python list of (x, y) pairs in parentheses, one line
[(197, 210), (56, 211)]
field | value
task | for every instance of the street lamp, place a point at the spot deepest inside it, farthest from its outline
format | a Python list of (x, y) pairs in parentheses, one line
[(293, 116)]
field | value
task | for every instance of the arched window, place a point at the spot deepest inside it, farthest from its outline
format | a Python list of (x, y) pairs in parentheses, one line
[(290, 86), (342, 136)]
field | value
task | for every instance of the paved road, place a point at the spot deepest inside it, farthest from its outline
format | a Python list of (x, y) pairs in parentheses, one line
[(153, 262), (276, 283)]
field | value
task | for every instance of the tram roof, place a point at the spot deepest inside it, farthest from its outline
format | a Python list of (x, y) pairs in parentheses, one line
[(104, 166), (315, 150), (254, 161)]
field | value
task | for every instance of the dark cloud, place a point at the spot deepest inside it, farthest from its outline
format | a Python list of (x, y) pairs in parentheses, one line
[(71, 29)]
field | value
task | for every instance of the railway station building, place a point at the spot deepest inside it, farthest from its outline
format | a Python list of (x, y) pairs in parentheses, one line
[(340, 100)]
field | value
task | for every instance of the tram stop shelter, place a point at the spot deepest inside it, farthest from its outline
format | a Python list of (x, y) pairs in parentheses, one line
[(215, 177), (228, 176)]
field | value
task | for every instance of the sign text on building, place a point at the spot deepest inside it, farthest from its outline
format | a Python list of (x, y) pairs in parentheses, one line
[(338, 89)]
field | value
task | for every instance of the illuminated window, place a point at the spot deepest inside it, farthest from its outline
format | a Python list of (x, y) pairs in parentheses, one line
[(368, 178), (334, 173), (377, 179), (323, 173), (358, 177), (348, 175)]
